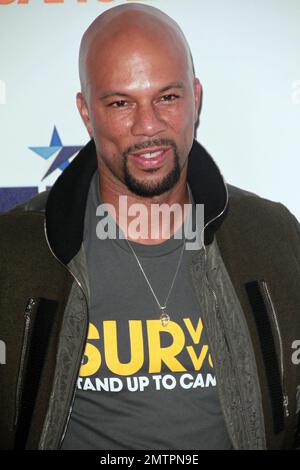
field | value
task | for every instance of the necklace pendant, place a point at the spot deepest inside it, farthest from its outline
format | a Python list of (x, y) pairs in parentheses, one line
[(164, 318)]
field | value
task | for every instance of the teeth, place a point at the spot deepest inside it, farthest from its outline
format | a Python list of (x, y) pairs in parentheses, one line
[(151, 154)]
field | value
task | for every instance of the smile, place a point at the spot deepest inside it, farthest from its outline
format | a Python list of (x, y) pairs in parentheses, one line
[(151, 154), (150, 159)]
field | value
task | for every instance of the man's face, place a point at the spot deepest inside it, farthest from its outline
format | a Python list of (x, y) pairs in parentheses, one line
[(140, 105)]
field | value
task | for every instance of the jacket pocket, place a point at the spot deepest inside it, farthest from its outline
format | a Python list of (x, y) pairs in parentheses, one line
[(271, 345), (39, 319)]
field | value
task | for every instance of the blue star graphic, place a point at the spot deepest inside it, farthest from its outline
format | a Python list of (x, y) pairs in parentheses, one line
[(62, 159)]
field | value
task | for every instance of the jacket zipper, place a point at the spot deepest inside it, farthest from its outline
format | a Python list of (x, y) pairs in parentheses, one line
[(73, 396), (215, 295), (217, 309), (267, 297), (84, 343), (27, 328), (72, 399), (216, 303)]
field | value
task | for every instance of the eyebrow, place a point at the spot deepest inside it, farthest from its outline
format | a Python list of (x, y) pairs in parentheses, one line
[(178, 85)]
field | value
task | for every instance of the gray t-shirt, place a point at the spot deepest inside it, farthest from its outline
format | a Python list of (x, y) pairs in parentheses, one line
[(143, 385)]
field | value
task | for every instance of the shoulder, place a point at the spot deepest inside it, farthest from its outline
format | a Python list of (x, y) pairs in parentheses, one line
[(246, 202), (24, 221), (37, 203), (234, 191), (249, 212)]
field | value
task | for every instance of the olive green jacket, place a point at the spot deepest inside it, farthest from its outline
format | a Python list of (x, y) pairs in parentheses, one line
[(246, 277)]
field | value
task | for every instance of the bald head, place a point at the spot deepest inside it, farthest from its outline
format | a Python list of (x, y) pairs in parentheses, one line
[(138, 92), (130, 24)]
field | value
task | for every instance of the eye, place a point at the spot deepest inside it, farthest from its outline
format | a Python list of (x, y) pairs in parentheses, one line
[(118, 104), (170, 97)]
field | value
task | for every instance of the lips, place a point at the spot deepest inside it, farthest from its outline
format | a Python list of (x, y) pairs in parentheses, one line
[(150, 158)]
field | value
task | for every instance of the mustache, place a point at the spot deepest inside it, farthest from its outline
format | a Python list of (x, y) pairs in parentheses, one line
[(149, 144)]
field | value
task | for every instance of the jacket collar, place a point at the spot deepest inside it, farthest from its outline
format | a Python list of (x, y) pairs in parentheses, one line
[(65, 209)]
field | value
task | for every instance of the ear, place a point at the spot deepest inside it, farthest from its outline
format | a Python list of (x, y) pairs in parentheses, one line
[(84, 113), (198, 98)]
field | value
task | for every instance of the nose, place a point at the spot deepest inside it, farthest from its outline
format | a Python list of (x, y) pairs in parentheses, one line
[(147, 122)]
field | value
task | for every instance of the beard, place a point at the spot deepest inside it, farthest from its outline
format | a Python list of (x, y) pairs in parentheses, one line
[(145, 189)]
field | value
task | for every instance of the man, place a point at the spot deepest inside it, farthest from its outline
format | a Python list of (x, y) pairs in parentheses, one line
[(136, 342)]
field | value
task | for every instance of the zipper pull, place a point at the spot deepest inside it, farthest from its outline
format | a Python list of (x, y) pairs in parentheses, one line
[(286, 405), (30, 304)]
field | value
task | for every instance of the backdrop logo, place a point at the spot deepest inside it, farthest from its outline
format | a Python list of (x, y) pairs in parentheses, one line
[(12, 196), (65, 152)]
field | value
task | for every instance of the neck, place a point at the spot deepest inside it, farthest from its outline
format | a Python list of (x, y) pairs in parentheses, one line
[(148, 223)]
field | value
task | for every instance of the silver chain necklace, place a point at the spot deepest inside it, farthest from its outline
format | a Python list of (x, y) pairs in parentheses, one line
[(164, 316)]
